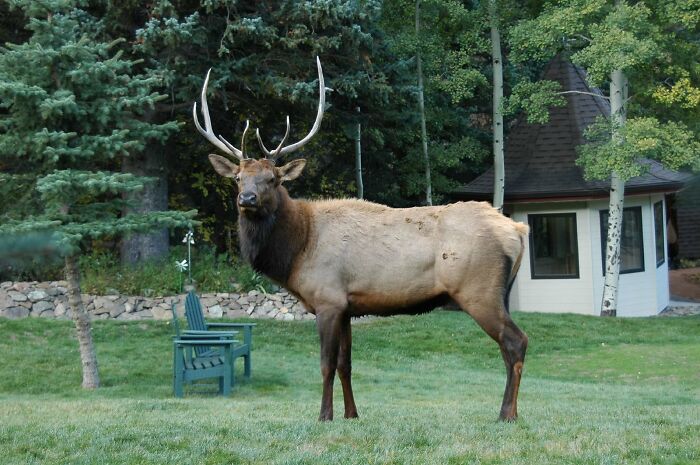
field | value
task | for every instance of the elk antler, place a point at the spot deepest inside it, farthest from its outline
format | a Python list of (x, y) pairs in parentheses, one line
[(280, 150), (208, 132)]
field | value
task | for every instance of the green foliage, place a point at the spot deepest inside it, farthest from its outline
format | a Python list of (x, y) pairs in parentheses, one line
[(73, 102), (644, 138), (103, 273), (535, 99)]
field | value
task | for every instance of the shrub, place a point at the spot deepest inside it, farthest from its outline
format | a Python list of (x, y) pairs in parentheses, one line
[(103, 274)]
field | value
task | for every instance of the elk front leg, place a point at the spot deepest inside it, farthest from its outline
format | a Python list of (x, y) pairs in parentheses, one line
[(345, 367), (328, 323)]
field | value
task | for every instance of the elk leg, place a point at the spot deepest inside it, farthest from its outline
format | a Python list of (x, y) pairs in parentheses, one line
[(496, 322), (328, 325), (345, 367), (513, 344)]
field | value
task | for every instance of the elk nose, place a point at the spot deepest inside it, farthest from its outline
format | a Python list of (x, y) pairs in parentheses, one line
[(247, 199)]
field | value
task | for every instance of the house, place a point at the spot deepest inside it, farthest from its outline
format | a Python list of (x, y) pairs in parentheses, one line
[(563, 266)]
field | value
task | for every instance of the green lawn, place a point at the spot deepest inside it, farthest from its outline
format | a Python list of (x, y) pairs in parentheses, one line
[(428, 390)]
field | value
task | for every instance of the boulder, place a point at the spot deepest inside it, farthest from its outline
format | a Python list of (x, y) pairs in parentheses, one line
[(39, 307), (17, 296), (15, 313), (37, 295), (216, 311)]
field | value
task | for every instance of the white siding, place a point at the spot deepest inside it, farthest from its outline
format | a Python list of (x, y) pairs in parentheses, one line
[(556, 295), (640, 293)]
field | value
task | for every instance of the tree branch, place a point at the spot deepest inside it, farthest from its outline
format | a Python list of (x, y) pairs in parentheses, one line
[(583, 93)]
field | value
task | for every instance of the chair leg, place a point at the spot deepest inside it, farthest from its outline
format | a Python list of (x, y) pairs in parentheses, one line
[(226, 378), (178, 368), (247, 365)]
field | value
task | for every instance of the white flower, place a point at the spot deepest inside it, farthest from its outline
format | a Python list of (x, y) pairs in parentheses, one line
[(182, 266), (188, 237)]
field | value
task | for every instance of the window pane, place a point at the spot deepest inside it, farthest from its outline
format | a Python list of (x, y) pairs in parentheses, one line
[(631, 247), (659, 232), (553, 246)]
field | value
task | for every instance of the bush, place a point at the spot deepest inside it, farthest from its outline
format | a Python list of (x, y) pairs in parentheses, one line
[(102, 273)]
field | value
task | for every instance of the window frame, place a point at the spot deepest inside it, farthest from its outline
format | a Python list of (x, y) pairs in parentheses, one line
[(660, 203), (604, 238), (530, 220)]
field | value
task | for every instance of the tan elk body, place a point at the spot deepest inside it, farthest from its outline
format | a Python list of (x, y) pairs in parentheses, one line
[(345, 258)]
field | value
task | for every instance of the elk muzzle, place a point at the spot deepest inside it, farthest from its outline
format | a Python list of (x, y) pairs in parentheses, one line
[(248, 199)]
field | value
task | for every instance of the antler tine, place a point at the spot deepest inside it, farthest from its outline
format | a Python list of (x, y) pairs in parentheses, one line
[(207, 131), (319, 115), (275, 153)]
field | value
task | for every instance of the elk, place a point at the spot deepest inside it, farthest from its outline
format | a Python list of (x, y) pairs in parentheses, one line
[(346, 258)]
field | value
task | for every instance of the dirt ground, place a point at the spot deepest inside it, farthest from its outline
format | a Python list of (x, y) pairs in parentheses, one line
[(685, 284)]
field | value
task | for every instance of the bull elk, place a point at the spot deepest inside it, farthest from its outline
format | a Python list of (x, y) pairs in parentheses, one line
[(345, 258)]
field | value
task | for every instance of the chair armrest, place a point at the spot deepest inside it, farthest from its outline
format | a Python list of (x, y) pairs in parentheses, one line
[(232, 325), (246, 327), (205, 334), (204, 342)]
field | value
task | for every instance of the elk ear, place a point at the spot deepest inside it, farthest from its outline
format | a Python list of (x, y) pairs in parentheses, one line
[(224, 166), (291, 170)]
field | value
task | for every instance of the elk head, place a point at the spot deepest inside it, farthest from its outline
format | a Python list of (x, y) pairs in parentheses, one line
[(257, 180)]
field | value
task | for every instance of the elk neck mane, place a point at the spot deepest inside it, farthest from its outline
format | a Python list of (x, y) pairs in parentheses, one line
[(272, 243)]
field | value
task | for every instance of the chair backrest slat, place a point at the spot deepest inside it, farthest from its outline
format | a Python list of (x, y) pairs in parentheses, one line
[(194, 313), (195, 318)]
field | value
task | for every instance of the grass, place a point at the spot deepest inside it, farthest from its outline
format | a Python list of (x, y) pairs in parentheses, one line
[(428, 389)]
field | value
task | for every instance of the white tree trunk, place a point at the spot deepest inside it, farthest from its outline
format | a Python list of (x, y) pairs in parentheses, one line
[(358, 158), (83, 326), (618, 96), (498, 142), (421, 109)]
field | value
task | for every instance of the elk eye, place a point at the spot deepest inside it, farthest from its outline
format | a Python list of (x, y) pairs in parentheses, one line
[(237, 178)]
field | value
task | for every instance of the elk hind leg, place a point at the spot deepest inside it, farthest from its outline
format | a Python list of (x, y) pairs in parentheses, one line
[(495, 320)]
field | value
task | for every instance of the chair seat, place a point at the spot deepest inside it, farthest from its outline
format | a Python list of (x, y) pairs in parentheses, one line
[(201, 363)]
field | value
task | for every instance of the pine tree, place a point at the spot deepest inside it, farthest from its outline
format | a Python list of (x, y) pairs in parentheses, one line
[(71, 109)]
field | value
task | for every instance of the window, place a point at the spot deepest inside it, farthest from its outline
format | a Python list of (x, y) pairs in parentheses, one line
[(553, 246), (659, 233), (631, 245)]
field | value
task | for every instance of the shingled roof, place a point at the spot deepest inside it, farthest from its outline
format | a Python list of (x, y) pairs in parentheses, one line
[(540, 158)]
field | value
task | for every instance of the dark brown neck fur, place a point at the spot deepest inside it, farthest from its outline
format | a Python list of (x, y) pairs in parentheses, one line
[(272, 243)]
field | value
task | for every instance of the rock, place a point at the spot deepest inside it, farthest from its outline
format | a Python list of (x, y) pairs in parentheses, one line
[(117, 309), (287, 317), (284, 310), (143, 314), (17, 296), (40, 307), (236, 314), (5, 285), (273, 313), (208, 301), (15, 313), (21, 287), (253, 293), (60, 309), (216, 311), (159, 313), (222, 295), (47, 314), (250, 310), (37, 295), (128, 307)]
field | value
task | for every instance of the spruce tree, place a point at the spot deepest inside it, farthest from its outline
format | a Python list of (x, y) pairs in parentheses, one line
[(72, 107)]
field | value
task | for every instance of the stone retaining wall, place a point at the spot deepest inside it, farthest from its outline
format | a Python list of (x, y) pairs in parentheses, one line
[(49, 300)]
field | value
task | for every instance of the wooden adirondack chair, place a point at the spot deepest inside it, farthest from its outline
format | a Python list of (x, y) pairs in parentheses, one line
[(188, 366), (198, 325)]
